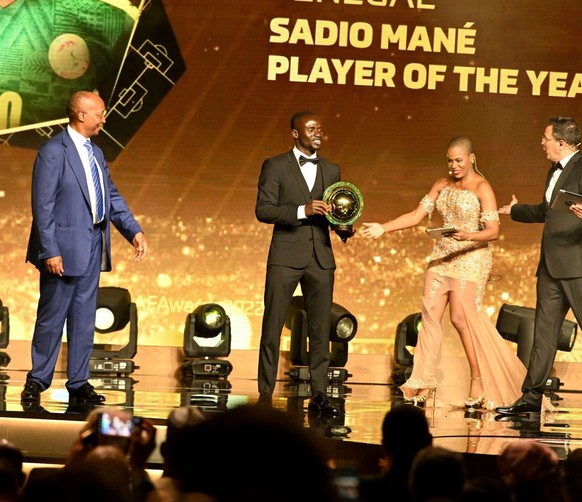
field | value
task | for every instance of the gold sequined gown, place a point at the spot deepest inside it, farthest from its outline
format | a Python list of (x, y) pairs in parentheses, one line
[(462, 268)]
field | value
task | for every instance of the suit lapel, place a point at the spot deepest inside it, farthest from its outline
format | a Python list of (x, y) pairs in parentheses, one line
[(298, 175), (318, 185), (74, 161), (325, 173), (565, 173)]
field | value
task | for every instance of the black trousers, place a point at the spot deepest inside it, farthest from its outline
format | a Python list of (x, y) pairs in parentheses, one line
[(317, 289), (554, 298)]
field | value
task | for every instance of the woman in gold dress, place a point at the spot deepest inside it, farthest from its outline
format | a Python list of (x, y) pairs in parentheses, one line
[(457, 272)]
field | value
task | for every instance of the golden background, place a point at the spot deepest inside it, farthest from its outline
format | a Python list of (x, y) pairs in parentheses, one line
[(190, 172)]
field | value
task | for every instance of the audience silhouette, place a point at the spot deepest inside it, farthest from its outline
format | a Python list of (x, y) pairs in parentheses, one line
[(12, 476), (253, 453), (179, 450), (404, 433), (436, 474), (530, 470), (572, 476), (97, 470), (103, 474), (485, 489)]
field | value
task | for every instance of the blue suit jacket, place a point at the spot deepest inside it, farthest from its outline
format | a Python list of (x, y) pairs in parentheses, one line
[(61, 212)]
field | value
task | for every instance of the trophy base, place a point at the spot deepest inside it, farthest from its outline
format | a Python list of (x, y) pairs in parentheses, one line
[(344, 231)]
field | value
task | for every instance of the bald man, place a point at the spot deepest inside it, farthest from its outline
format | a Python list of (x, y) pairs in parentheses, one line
[(73, 202)]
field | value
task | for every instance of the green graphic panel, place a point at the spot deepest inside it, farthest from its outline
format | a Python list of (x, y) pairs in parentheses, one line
[(51, 48)]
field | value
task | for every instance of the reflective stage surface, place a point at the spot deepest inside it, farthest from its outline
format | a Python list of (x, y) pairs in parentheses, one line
[(46, 433)]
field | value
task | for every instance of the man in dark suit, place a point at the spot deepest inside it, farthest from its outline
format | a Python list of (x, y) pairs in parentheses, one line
[(73, 202), (290, 190), (559, 272)]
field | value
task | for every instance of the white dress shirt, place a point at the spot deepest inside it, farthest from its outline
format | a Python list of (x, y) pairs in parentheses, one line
[(309, 171), (79, 141), (556, 175)]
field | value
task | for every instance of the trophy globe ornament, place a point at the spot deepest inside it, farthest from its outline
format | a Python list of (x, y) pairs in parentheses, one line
[(346, 205)]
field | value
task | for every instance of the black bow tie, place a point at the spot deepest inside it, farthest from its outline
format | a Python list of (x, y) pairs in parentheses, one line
[(303, 160), (557, 165)]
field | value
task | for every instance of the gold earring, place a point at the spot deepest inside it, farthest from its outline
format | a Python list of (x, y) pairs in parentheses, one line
[(474, 161)]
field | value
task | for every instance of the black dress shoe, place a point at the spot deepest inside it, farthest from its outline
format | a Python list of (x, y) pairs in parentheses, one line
[(320, 405), (85, 394), (321, 421), (520, 407), (31, 392), (265, 400), (32, 407), (81, 408)]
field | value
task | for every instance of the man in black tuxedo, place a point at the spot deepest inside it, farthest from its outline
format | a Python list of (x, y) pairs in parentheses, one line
[(559, 272), (290, 190)]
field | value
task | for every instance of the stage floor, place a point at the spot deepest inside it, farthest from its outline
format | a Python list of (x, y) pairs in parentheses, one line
[(45, 434)]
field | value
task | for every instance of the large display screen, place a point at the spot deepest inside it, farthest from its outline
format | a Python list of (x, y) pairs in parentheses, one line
[(392, 81)]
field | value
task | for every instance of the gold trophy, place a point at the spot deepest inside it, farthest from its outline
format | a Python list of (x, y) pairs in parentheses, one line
[(346, 206)]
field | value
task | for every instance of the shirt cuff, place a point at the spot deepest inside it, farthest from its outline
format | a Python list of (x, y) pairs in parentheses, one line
[(301, 213)]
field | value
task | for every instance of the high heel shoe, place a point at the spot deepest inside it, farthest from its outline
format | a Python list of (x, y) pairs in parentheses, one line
[(420, 400), (475, 402), (473, 434)]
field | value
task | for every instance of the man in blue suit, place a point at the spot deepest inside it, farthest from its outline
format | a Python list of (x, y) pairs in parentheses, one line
[(73, 202)]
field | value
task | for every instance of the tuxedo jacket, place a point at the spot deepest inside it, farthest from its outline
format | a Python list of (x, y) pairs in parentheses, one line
[(281, 189), (62, 221), (561, 246)]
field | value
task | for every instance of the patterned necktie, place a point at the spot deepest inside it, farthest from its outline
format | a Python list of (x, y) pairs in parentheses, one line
[(96, 181), (303, 160)]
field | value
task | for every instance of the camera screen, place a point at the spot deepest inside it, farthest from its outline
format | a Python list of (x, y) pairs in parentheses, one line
[(109, 425)]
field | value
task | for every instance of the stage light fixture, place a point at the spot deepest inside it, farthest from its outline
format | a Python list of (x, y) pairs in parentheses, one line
[(206, 367), (330, 427), (207, 332), (516, 324), (207, 336), (334, 375), (115, 311), (122, 385), (4, 361), (343, 328), (206, 393), (206, 402), (406, 336), (4, 326), (337, 432), (302, 389)]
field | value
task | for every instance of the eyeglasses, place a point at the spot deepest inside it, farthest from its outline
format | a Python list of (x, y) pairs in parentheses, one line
[(97, 114), (545, 140)]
